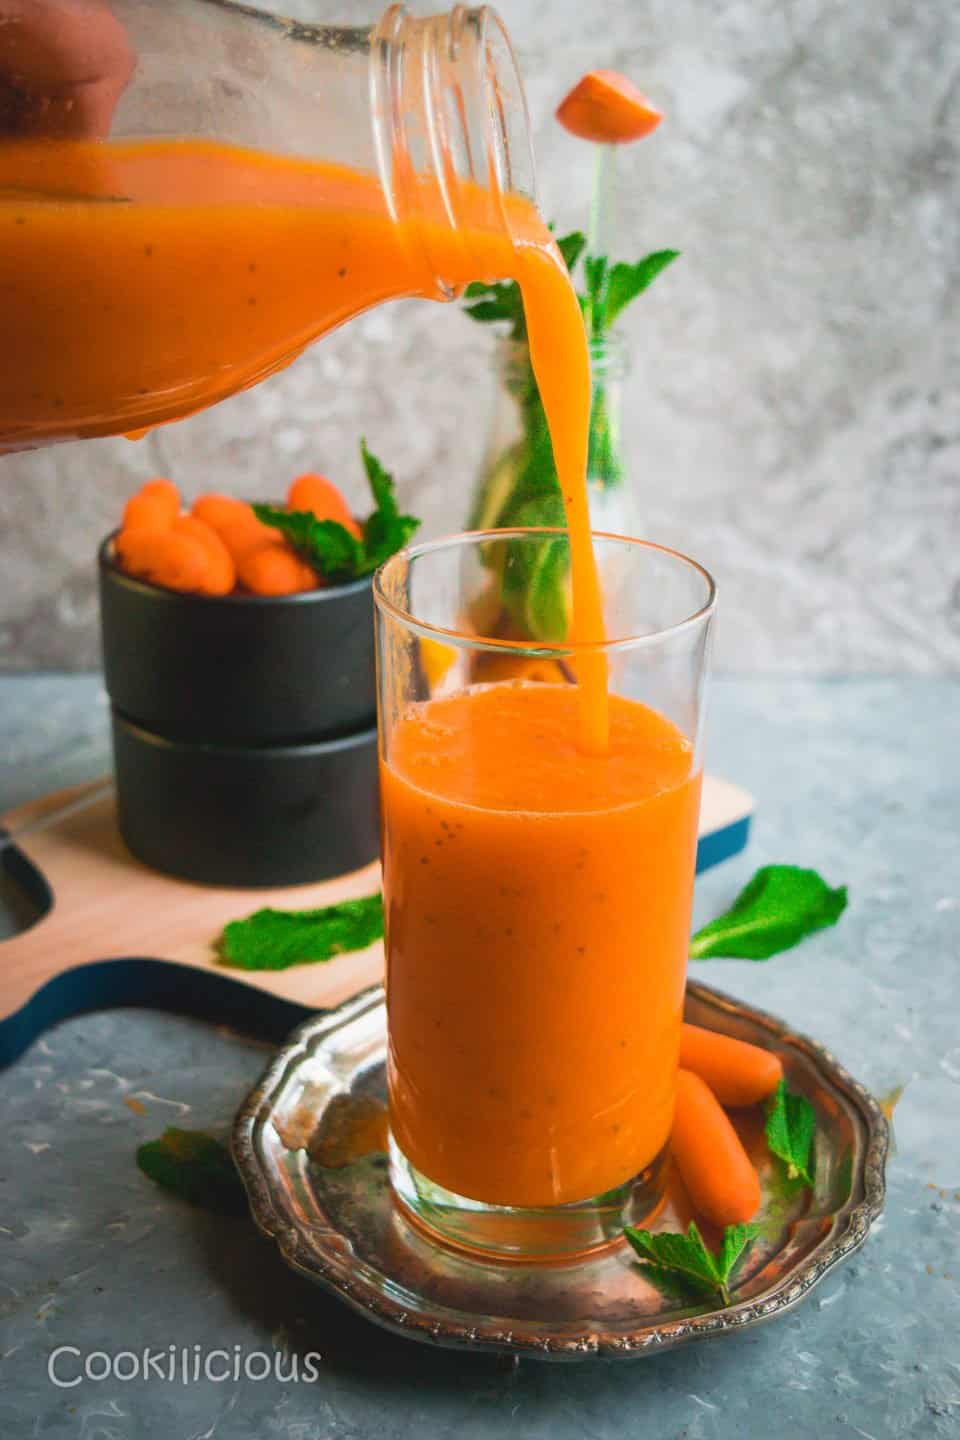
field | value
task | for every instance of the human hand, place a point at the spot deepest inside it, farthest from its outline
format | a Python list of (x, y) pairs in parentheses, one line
[(63, 66)]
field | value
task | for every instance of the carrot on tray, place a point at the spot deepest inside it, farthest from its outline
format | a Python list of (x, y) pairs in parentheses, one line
[(606, 108), (714, 1167), (323, 500), (738, 1073)]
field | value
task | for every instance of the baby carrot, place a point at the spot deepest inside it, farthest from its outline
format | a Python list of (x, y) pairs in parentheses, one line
[(179, 562), (221, 573), (322, 498), (218, 511), (713, 1164), (275, 570), (737, 1073), (606, 108), (155, 506), (235, 523)]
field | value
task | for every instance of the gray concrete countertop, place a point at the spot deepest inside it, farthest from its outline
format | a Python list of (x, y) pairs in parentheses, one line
[(859, 778)]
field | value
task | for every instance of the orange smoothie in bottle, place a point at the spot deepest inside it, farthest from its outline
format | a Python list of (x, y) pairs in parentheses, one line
[(538, 904), (144, 280)]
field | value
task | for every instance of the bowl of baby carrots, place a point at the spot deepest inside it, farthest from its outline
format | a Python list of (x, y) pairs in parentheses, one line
[(238, 658)]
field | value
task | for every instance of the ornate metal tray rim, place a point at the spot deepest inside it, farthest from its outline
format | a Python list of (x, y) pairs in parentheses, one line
[(848, 1233)]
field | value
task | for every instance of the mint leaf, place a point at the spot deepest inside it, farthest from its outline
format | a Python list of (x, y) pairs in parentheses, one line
[(330, 547), (736, 1238), (791, 1124), (499, 301), (625, 282), (780, 906), (571, 247), (687, 1255), (386, 531), (276, 939), (487, 310), (325, 544), (196, 1167)]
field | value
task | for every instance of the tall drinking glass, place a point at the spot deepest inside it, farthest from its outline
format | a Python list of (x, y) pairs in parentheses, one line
[(537, 898)]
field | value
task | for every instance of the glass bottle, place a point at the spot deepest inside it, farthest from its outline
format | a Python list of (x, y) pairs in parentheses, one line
[(193, 191)]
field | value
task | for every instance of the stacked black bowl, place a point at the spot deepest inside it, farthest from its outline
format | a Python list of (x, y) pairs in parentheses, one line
[(244, 729)]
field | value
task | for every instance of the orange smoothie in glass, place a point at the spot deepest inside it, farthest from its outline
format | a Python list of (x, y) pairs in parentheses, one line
[(538, 906)]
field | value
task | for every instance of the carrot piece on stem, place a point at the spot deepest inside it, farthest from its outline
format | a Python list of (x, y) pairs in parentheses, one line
[(713, 1164), (738, 1073), (323, 500), (606, 108)]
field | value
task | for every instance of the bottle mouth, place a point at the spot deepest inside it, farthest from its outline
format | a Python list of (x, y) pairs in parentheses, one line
[(451, 126)]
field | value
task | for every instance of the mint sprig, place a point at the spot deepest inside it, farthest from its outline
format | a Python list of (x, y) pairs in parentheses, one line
[(329, 547), (687, 1256), (790, 1128), (611, 288), (780, 906)]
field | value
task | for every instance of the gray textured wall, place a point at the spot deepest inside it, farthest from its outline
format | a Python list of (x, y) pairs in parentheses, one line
[(793, 415)]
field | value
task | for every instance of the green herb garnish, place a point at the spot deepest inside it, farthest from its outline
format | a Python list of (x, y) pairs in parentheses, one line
[(687, 1257), (781, 906), (791, 1123), (196, 1167), (330, 547), (277, 939), (611, 288)]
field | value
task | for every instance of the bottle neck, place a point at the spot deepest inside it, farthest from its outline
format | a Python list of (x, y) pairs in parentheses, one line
[(451, 134)]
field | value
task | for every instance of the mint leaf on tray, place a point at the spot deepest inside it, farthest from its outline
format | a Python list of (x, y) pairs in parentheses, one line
[(196, 1167), (276, 939), (687, 1256), (780, 906), (790, 1127)]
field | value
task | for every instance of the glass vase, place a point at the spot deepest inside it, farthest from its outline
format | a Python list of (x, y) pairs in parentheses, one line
[(517, 485)]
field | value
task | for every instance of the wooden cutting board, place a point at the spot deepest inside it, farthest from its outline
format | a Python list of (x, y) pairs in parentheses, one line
[(118, 933)]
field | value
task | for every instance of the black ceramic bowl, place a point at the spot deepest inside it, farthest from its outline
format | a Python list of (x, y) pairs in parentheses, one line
[(247, 815), (244, 729), (238, 669)]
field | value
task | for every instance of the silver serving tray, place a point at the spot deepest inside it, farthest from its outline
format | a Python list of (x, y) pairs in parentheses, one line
[(338, 1224)]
